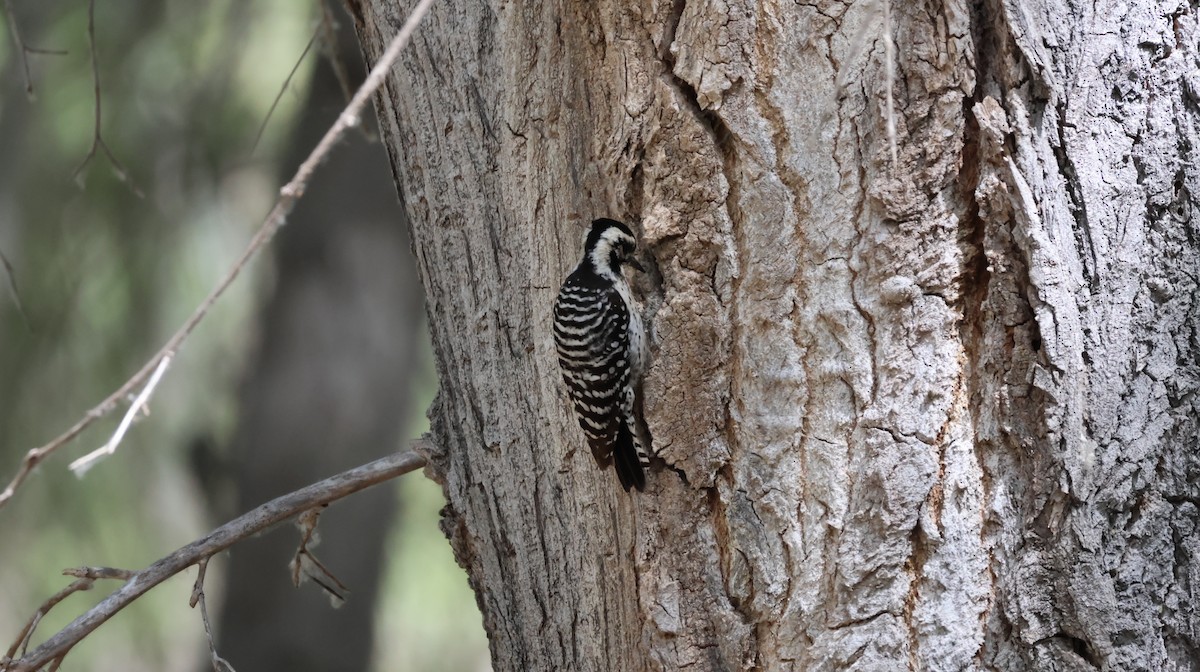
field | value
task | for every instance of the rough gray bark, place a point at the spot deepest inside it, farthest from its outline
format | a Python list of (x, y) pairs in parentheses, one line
[(939, 414)]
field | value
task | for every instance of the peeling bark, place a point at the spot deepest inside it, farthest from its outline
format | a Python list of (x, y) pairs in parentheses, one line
[(938, 415)]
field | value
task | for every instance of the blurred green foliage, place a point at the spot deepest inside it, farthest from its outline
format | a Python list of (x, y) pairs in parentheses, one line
[(105, 276)]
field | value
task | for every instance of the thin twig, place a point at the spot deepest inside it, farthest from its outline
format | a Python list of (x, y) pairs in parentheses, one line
[(99, 573), (19, 45), (247, 525), (12, 287), (329, 25), (97, 137), (304, 562), (219, 664), (334, 52), (85, 579), (288, 195), (81, 465), (24, 50), (198, 588), (283, 89), (307, 522), (26, 633)]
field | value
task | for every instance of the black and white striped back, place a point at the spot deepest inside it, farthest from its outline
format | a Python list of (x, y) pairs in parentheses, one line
[(598, 337)]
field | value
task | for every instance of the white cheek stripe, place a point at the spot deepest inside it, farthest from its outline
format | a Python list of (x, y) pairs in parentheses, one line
[(600, 254)]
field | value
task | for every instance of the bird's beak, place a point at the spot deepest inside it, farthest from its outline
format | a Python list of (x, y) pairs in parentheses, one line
[(634, 263)]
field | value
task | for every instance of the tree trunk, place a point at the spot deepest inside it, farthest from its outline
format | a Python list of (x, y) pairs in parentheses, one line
[(937, 412)]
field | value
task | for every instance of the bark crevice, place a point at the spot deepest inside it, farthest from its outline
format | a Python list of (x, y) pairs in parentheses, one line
[(928, 410)]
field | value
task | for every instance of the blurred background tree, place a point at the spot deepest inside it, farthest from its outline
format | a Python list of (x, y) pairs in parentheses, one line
[(308, 367)]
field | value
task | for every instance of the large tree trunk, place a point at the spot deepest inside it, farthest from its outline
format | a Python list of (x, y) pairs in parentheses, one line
[(936, 414)]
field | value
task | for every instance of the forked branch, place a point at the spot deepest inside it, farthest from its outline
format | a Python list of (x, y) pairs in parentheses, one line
[(97, 137), (196, 553), (24, 50)]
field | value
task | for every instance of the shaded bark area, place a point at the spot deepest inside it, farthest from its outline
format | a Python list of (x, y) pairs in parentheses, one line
[(328, 389), (937, 414)]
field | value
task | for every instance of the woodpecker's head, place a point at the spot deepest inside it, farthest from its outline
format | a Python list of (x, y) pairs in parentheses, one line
[(608, 245)]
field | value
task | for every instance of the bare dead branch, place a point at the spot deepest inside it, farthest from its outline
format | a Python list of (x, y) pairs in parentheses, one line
[(198, 587), (81, 465), (26, 633), (247, 525), (305, 565), (283, 89), (97, 137), (85, 579), (288, 195), (99, 573), (307, 522)]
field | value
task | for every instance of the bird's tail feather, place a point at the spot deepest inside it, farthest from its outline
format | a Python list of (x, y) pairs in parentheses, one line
[(630, 460)]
